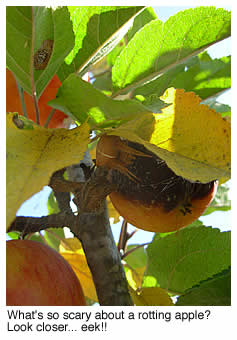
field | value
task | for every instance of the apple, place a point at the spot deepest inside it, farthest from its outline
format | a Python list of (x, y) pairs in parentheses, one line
[(39, 276)]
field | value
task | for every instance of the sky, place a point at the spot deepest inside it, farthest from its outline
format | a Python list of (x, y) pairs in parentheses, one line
[(36, 206)]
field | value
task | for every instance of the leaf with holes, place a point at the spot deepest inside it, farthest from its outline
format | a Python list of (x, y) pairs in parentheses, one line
[(27, 30)]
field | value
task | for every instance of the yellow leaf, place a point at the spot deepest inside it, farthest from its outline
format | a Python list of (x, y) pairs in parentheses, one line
[(71, 245), (151, 296), (193, 139), (73, 253), (92, 150), (33, 155), (113, 213), (138, 274), (135, 276)]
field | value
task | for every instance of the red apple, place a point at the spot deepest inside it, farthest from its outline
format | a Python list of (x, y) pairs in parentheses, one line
[(39, 276)]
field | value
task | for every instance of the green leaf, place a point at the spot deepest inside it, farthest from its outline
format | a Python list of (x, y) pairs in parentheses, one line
[(37, 237), (153, 103), (147, 15), (215, 291), (135, 265), (111, 57), (223, 109), (137, 258), (13, 235), (203, 75), (63, 43), (80, 100), (155, 88), (140, 20), (18, 43), (98, 29), (183, 259), (206, 78), (103, 82), (164, 81), (221, 201), (54, 237), (22, 32), (52, 204), (159, 47)]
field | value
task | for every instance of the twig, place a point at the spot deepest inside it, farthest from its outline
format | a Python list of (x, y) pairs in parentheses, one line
[(28, 225), (123, 237), (32, 69), (133, 249)]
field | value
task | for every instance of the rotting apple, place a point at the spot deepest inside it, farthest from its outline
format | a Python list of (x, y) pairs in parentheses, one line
[(149, 194), (39, 276)]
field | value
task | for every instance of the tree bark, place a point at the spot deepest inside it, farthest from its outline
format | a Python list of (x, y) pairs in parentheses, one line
[(103, 258)]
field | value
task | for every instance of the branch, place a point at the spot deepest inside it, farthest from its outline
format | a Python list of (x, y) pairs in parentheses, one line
[(28, 225)]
